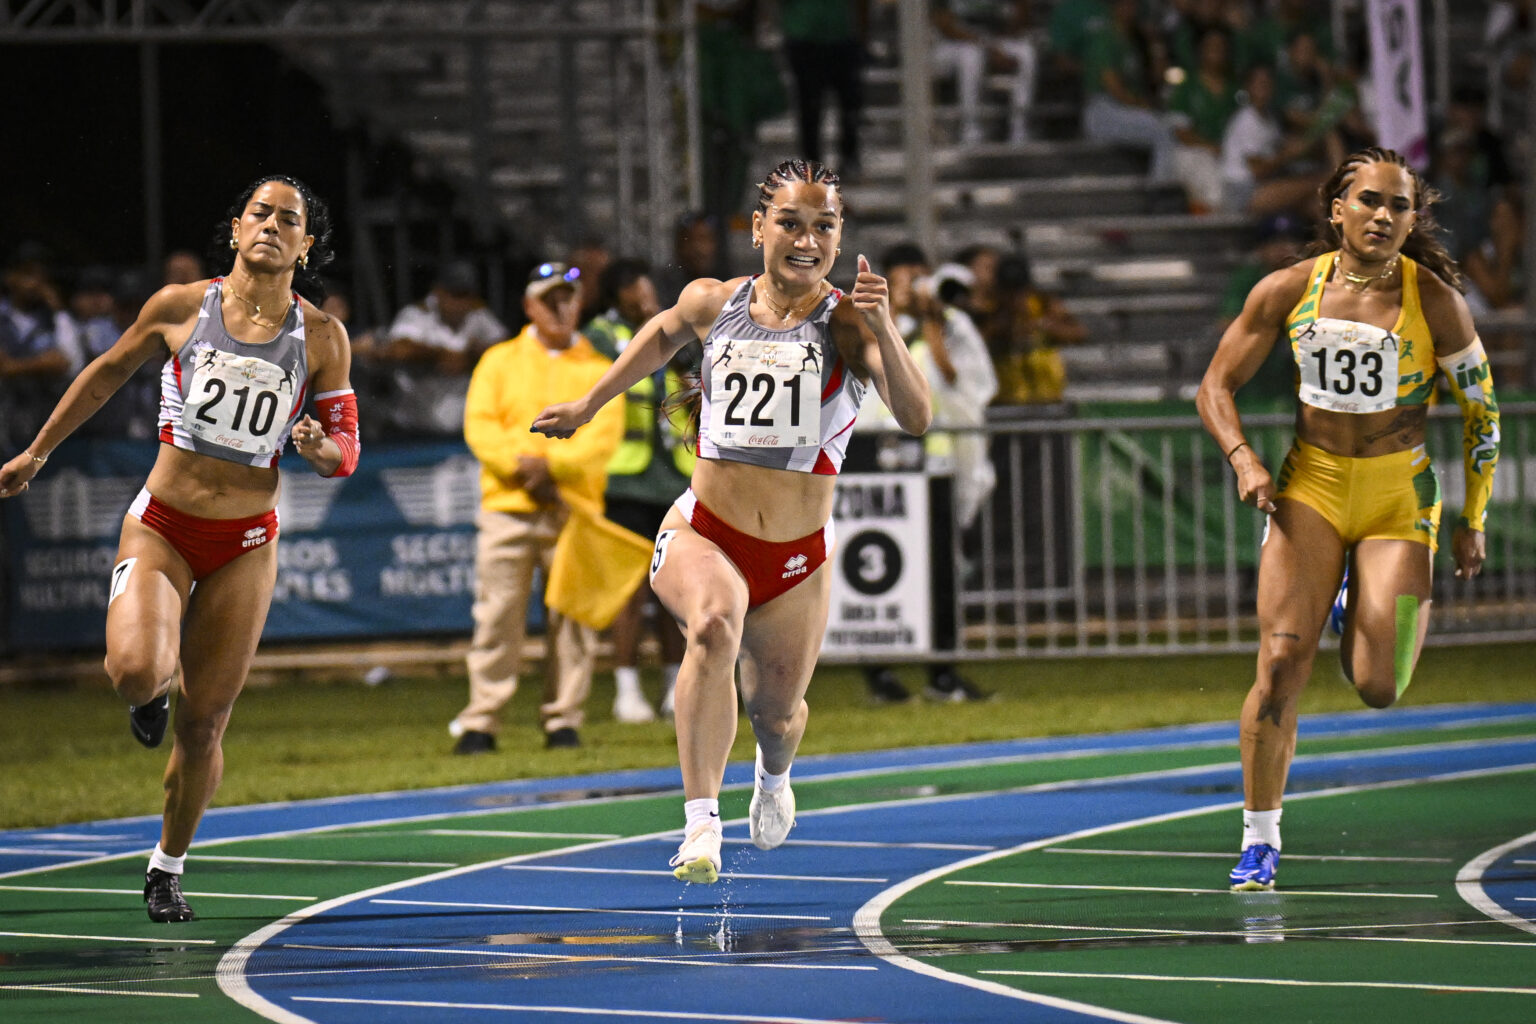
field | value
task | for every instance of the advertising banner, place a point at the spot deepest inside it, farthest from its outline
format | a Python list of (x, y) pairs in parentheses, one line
[(389, 551)]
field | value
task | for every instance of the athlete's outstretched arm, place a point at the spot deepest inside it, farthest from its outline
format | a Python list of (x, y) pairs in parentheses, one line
[(101, 378), (652, 347), (1243, 348), (896, 375)]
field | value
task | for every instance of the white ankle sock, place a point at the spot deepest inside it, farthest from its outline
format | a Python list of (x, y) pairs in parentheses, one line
[(626, 680), (770, 783), (164, 862), (1261, 827), (700, 812)]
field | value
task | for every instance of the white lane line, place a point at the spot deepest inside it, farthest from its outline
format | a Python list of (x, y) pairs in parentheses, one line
[(140, 892), (82, 990), (1228, 856), (593, 1011), (1266, 933), (1288, 982), (167, 940), (667, 874), (855, 844), (738, 959), (598, 910), (47, 851), (1526, 863), (1192, 890), (76, 837), (1469, 884), (494, 834), (329, 863)]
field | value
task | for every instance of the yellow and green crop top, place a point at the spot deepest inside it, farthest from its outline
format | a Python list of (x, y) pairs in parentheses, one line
[(1352, 367), (1348, 366)]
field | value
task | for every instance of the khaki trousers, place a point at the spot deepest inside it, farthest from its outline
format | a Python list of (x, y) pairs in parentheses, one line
[(508, 547)]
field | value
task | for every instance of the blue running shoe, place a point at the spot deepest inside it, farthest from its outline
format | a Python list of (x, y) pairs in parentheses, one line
[(1255, 872), (1336, 616)]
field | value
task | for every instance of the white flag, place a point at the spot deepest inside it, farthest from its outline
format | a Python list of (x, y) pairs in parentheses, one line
[(1397, 78)]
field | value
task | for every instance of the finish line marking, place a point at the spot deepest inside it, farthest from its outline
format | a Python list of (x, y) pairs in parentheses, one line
[(1192, 891), (600, 910), (1288, 982)]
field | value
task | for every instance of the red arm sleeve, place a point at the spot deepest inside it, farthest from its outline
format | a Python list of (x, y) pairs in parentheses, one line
[(338, 417)]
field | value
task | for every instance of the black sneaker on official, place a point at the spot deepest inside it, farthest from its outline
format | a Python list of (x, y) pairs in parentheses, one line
[(471, 742), (163, 898), (885, 688), (147, 721), (952, 687), (563, 737)]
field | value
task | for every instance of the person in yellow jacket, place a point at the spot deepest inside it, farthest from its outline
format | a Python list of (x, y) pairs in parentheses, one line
[(528, 483), (647, 473)]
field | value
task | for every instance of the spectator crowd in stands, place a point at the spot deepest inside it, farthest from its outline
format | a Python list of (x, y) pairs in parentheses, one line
[(1242, 108)]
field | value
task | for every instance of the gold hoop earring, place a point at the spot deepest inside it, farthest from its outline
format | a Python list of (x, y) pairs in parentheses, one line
[(837, 252), (757, 243), (304, 261), (234, 243)]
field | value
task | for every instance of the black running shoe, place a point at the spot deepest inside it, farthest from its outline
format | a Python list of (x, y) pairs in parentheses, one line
[(950, 687), (147, 721), (563, 737), (163, 898), (472, 742)]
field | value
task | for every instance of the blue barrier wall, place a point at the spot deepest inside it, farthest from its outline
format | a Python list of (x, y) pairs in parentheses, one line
[(388, 551)]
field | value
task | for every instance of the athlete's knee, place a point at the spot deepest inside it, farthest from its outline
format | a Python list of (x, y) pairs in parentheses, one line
[(1377, 691), (138, 674), (714, 630), (200, 734), (1285, 661), (772, 720)]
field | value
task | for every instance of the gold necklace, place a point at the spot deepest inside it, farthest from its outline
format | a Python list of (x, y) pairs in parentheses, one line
[(790, 311), (255, 314), (1360, 282)]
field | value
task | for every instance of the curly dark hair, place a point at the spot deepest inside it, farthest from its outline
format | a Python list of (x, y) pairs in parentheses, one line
[(307, 280), (1423, 246)]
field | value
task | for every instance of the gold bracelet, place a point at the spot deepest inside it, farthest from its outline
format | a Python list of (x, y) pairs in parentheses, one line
[(39, 459)]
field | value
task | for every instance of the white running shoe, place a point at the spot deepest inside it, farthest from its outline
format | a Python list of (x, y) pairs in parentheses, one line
[(772, 816), (698, 858), (632, 709)]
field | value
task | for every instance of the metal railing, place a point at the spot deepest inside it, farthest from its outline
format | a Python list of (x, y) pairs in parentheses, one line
[(1125, 536)]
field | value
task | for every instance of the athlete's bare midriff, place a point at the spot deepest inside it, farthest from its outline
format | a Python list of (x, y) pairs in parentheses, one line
[(201, 485), (1361, 435), (770, 504)]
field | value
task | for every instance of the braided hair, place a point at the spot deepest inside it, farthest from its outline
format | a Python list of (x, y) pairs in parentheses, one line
[(317, 222), (790, 171), (1423, 245)]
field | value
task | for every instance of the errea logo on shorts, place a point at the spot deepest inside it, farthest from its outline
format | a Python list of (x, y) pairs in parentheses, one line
[(795, 566), (255, 537)]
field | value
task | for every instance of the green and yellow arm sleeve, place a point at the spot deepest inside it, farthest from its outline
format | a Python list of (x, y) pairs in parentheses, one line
[(1471, 384)]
